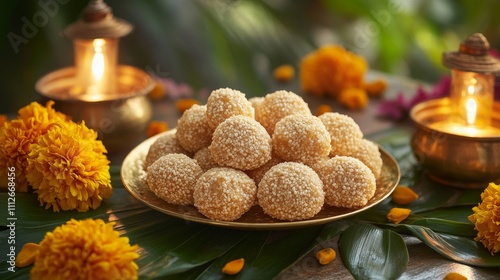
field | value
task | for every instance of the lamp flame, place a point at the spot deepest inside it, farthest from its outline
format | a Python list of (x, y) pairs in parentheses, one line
[(98, 69), (471, 108), (98, 61)]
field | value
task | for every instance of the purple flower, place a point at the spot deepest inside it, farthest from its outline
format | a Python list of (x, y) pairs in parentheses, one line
[(394, 109), (398, 108)]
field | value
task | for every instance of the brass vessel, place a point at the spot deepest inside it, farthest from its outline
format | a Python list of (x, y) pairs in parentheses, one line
[(455, 160)]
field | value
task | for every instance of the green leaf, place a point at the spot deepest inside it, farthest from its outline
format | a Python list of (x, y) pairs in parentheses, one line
[(457, 213), (460, 249), (266, 253), (370, 252)]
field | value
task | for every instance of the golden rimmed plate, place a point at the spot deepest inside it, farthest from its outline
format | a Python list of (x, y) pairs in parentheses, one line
[(133, 177)]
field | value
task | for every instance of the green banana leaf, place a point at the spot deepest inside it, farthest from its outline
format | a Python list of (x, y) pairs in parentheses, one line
[(370, 252), (460, 249)]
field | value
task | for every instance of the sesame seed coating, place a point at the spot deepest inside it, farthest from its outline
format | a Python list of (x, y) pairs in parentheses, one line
[(241, 142), (193, 131), (164, 145), (173, 177), (256, 102), (278, 105), (224, 194), (257, 173), (205, 160), (345, 133), (291, 191), (347, 182), (301, 138), (316, 163), (224, 103), (369, 154)]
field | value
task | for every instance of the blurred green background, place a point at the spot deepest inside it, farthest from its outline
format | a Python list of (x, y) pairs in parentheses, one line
[(220, 43)]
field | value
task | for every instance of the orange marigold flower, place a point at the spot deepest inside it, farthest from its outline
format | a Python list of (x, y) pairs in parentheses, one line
[(325, 108), (3, 120), (156, 127), (68, 168), (88, 249), (330, 69), (375, 88), (486, 218), (17, 135), (353, 98), (284, 73), (184, 104), (158, 92)]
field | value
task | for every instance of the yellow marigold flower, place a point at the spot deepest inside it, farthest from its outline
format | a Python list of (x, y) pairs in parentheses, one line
[(486, 218), (17, 135), (88, 249), (284, 73), (3, 120), (68, 168), (184, 104), (325, 108), (330, 69), (156, 127), (353, 98)]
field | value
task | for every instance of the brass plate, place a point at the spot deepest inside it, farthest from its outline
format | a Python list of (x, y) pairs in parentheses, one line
[(134, 179)]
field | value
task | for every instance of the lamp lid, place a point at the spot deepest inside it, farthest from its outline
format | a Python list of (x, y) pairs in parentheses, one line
[(98, 22), (473, 56)]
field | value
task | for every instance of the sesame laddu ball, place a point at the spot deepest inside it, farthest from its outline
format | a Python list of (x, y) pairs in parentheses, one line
[(257, 173), (172, 178), (369, 154), (316, 163), (347, 182), (291, 191), (224, 194), (278, 105), (193, 131), (164, 145), (256, 102), (345, 133), (224, 103), (205, 160), (240, 142), (301, 138)]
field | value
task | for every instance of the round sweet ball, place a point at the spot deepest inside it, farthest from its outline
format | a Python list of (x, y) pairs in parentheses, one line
[(291, 191), (173, 177), (193, 131), (256, 101), (224, 194), (257, 173), (347, 181), (301, 138), (278, 105), (240, 142), (344, 132), (316, 163), (224, 103), (369, 154), (164, 145), (205, 160)]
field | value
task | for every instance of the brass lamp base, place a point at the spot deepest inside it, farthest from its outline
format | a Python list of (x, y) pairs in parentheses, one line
[(120, 119), (463, 161)]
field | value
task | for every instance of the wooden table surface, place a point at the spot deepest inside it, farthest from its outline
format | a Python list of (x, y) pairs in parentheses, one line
[(424, 262)]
